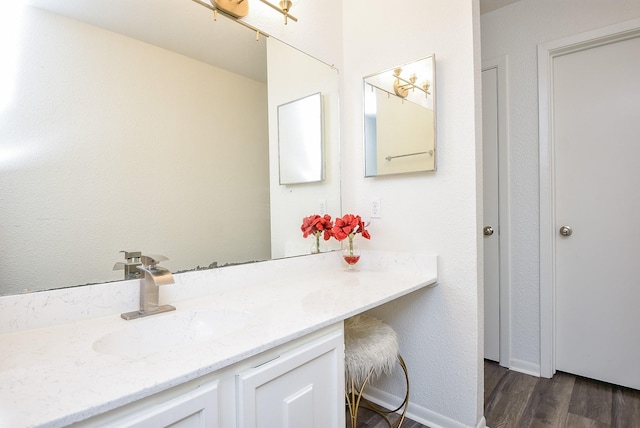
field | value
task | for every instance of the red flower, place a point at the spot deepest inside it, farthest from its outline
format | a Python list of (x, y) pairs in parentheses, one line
[(348, 225), (314, 224)]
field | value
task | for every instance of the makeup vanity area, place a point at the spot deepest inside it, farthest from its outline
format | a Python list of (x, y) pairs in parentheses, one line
[(241, 338)]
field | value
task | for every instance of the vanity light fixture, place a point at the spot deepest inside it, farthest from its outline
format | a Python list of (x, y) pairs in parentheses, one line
[(401, 86), (235, 8), (232, 9), (285, 6)]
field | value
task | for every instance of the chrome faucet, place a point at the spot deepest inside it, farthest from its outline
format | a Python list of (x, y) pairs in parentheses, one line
[(154, 276)]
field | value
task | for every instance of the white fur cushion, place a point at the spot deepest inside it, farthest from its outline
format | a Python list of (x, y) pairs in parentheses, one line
[(369, 343)]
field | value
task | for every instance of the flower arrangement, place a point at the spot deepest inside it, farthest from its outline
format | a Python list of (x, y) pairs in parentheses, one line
[(347, 227), (317, 225), (344, 229)]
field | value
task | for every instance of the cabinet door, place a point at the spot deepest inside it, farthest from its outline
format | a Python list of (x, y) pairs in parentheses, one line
[(195, 409), (303, 387)]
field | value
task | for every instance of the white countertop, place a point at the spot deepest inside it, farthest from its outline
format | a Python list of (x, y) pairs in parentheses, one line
[(53, 376)]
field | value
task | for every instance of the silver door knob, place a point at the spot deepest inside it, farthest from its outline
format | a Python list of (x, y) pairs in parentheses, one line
[(488, 231), (566, 231)]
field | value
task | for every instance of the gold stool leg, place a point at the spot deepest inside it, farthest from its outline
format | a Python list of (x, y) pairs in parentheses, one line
[(354, 395)]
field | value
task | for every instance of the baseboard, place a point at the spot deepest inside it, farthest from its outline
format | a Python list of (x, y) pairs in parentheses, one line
[(417, 413), (525, 367)]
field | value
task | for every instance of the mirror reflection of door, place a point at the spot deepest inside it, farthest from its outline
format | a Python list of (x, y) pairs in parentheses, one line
[(495, 226), (491, 242)]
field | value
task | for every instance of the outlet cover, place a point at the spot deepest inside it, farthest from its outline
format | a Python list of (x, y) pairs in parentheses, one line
[(322, 207), (375, 208)]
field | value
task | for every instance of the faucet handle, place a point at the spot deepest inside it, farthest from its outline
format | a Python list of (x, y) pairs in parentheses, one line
[(131, 256), (130, 265), (151, 260)]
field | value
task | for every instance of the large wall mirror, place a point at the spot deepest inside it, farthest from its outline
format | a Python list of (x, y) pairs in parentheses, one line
[(399, 119), (147, 126)]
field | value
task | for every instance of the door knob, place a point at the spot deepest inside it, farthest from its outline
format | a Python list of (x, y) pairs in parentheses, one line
[(566, 231), (488, 231)]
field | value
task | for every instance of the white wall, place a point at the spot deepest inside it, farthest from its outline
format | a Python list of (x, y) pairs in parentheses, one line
[(434, 212), (318, 31), (102, 128), (515, 31), (291, 203)]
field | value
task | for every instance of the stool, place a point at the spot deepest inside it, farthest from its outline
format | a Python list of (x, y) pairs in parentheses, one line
[(371, 348)]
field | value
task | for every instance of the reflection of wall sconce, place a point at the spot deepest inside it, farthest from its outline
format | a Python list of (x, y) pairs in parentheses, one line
[(401, 86), (285, 6)]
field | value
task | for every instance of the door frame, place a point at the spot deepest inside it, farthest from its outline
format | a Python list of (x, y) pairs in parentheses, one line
[(546, 53), (504, 211)]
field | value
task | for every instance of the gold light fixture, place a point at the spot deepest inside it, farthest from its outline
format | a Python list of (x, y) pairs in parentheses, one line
[(285, 6), (401, 86), (232, 9), (235, 8)]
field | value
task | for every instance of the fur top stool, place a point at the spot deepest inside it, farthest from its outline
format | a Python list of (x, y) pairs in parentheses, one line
[(371, 349)]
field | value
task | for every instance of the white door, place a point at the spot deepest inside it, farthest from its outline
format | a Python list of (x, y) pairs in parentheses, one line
[(596, 132), (490, 198)]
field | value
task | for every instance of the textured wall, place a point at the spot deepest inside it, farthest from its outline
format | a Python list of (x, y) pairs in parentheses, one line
[(291, 203), (515, 31), (433, 212), (436, 213)]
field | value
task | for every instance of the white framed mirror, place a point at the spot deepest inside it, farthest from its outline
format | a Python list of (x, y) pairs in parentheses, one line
[(400, 119), (300, 152)]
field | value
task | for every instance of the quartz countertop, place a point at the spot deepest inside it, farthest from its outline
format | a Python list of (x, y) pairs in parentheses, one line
[(53, 376)]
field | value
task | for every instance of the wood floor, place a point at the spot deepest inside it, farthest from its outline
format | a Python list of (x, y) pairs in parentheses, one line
[(370, 419), (516, 400)]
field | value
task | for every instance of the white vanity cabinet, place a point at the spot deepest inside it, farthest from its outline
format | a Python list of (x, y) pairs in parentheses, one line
[(303, 387), (297, 384), (193, 405)]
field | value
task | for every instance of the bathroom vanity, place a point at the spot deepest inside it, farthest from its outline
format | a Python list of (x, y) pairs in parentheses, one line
[(247, 345), (297, 384)]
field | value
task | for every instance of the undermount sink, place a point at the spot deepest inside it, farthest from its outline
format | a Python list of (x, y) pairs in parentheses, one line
[(162, 332)]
